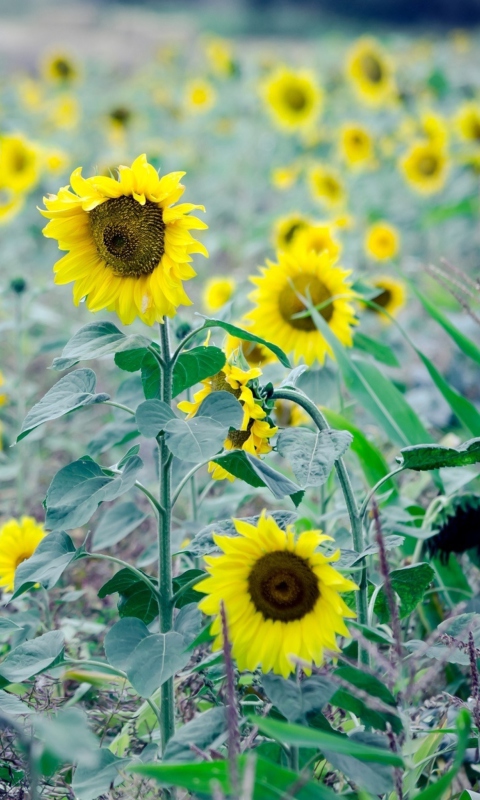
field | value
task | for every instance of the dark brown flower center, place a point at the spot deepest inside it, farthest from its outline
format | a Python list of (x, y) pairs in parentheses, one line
[(428, 165), (372, 68), (63, 68), (283, 586), (383, 299), (121, 115), (295, 98), (290, 303), (219, 383), (290, 233), (130, 237)]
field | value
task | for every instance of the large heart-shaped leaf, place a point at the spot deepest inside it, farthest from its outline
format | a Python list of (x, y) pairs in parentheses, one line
[(312, 455), (195, 365), (94, 340), (195, 439)]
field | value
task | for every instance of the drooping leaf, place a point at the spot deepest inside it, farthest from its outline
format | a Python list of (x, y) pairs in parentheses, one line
[(410, 584), (32, 657), (77, 490), (434, 456), (204, 731), (465, 344), (193, 366), (279, 485), (234, 330), (94, 340), (237, 464), (47, 564), (75, 390), (461, 407), (224, 408), (152, 417), (195, 439), (312, 455), (117, 522)]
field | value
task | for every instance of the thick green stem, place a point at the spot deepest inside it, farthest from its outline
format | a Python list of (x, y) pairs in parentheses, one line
[(352, 508), (167, 709), (20, 399)]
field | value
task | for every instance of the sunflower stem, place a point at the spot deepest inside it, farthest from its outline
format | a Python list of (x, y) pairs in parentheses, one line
[(167, 710), (361, 596)]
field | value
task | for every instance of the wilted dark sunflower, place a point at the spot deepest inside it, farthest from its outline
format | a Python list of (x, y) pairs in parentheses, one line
[(458, 525)]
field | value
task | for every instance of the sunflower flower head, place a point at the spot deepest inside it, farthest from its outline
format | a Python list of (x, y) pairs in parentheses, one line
[(286, 230), (391, 296), (18, 541), (200, 96), (281, 596), (356, 145), (382, 241), (370, 71), (217, 292), (425, 166), (256, 429), (293, 98), (319, 237), (20, 162), (129, 246), (282, 295), (220, 56), (326, 186), (457, 521), (60, 68), (467, 122)]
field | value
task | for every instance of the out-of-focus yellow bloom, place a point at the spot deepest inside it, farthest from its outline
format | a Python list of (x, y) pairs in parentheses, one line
[(290, 415), (293, 98), (382, 241), (60, 68), (391, 296), (462, 42), (18, 541), (217, 292), (326, 186), (65, 112), (467, 122), (3, 395), (31, 94), (319, 237), (356, 145), (435, 128), (200, 96), (55, 161), (19, 163), (370, 71), (220, 55), (425, 167), (286, 230), (10, 205), (285, 177)]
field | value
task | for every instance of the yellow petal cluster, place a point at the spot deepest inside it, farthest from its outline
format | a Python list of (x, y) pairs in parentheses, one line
[(18, 541)]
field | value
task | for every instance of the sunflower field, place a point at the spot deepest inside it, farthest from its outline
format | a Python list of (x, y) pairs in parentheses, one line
[(240, 414)]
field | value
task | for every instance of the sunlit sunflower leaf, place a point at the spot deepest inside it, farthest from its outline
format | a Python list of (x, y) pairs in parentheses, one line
[(434, 456), (117, 522), (31, 657), (224, 408), (203, 543), (409, 584), (152, 417), (77, 490), (75, 390), (47, 564), (95, 340), (312, 455), (248, 337), (194, 366), (195, 439)]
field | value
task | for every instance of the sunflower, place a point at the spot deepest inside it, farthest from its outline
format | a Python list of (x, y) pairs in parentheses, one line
[(281, 596), (457, 522), (293, 98), (434, 128), (370, 71), (19, 163), (255, 430), (356, 145), (3, 395), (319, 237), (254, 354), (65, 112), (467, 122), (55, 161), (391, 296), (129, 246), (200, 96), (10, 205), (18, 541), (382, 241), (281, 315), (285, 177), (60, 68), (425, 167), (286, 230), (326, 186), (217, 292), (220, 55)]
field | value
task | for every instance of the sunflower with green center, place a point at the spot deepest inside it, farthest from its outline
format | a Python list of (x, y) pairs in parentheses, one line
[(425, 167), (286, 230), (217, 292), (130, 247), (255, 430), (327, 186), (391, 296), (19, 163), (370, 71), (283, 291), (281, 597), (18, 541), (382, 241), (356, 145), (293, 98)]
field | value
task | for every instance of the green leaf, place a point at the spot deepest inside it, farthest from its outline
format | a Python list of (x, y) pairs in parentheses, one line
[(156, 659), (195, 439), (433, 456), (75, 390), (371, 459), (188, 622), (193, 366), (237, 464), (248, 337), (91, 782), (152, 417), (114, 434), (136, 597), (279, 485), (95, 340), (12, 705), (66, 737), (435, 791), (32, 657), (202, 543), (298, 735), (410, 584), (47, 564), (130, 360), (122, 639), (312, 455), (380, 352), (461, 407), (371, 686), (374, 778), (463, 342), (151, 378), (466, 207), (77, 490), (189, 595), (223, 407), (117, 522), (206, 730), (295, 701)]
